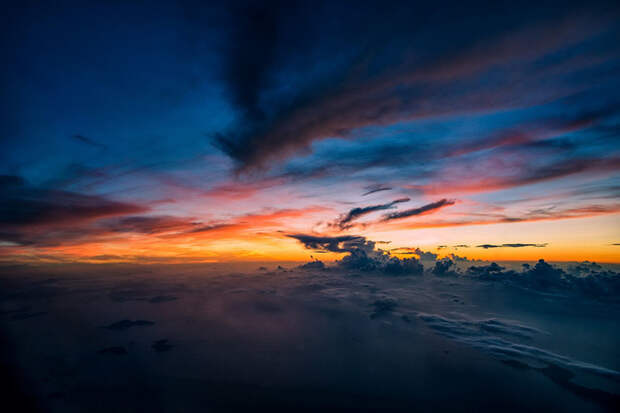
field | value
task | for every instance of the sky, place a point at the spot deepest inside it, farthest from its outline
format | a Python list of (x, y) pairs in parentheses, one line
[(272, 131)]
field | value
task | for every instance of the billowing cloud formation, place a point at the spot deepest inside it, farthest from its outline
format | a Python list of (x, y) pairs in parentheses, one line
[(345, 221), (362, 254), (515, 245), (586, 278), (89, 141), (425, 209), (443, 267)]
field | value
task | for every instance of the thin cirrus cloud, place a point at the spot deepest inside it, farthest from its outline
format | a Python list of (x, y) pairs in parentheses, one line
[(491, 219), (424, 209), (425, 89), (46, 217), (514, 245), (371, 189), (559, 169), (345, 220)]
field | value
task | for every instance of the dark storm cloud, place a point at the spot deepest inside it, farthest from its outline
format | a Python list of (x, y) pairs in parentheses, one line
[(164, 225), (515, 245), (419, 211), (587, 278), (444, 267), (22, 205), (353, 214)]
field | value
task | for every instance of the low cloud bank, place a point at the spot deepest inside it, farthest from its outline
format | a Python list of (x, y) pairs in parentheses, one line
[(362, 255), (587, 278)]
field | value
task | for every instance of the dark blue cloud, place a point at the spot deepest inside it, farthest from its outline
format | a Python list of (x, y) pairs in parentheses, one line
[(345, 221), (433, 206)]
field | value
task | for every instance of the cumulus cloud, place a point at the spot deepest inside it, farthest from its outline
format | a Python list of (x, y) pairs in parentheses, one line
[(424, 255), (443, 267), (22, 204), (513, 245), (152, 224), (585, 278), (88, 141), (361, 255)]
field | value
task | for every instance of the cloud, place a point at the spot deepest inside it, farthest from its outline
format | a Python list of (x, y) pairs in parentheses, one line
[(344, 221), (361, 254), (489, 272), (491, 337), (424, 255), (586, 278), (515, 245), (24, 205), (569, 213), (88, 141), (381, 86), (238, 190), (371, 189), (527, 173), (425, 209)]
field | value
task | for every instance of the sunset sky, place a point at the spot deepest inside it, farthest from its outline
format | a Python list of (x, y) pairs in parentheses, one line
[(187, 132)]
